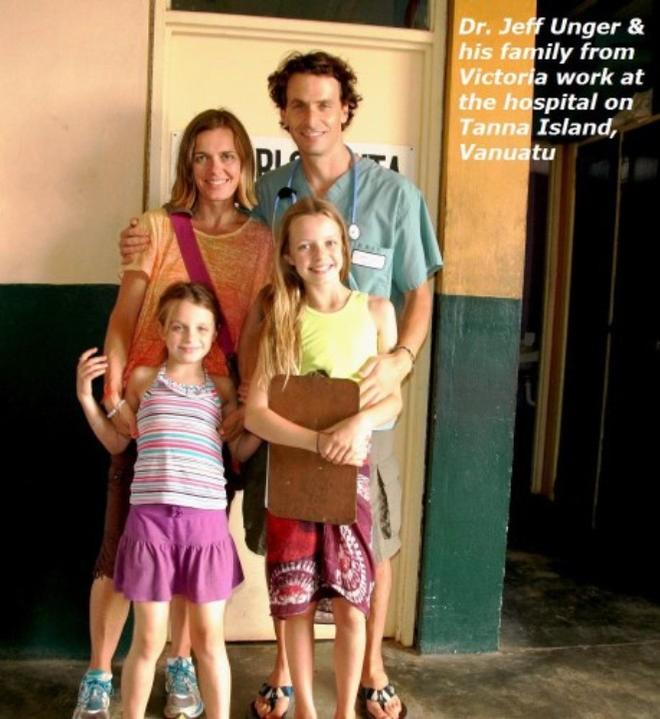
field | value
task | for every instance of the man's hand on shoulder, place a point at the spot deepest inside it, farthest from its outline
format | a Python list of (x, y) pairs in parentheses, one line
[(133, 240), (382, 375)]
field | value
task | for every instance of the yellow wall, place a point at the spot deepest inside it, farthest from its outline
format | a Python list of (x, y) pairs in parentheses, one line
[(72, 130), (485, 203)]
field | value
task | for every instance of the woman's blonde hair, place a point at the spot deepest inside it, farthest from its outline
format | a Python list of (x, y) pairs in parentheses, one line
[(280, 350), (184, 190)]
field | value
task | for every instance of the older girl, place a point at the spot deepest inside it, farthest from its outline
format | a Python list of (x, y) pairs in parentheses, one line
[(314, 322)]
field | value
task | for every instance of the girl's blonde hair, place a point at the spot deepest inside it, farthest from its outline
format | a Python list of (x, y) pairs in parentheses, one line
[(184, 190), (280, 349), (193, 292)]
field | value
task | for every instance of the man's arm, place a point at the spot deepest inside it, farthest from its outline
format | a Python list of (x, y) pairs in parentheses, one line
[(383, 374), (132, 240)]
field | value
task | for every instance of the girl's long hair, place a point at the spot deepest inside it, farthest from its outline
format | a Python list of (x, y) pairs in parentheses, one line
[(184, 190), (280, 350)]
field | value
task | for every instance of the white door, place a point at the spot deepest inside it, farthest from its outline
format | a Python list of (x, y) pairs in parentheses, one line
[(204, 60)]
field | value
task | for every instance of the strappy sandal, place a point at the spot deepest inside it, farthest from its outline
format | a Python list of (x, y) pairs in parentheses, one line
[(381, 697), (270, 695)]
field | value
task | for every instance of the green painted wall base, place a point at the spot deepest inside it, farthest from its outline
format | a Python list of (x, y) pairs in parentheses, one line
[(54, 493), (473, 399)]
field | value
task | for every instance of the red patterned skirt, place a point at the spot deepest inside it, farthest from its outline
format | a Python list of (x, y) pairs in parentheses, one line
[(309, 561)]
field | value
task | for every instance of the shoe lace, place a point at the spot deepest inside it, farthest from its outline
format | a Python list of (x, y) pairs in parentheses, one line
[(94, 692), (181, 678)]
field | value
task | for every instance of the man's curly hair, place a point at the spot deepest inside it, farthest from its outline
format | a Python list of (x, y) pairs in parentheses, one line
[(315, 63)]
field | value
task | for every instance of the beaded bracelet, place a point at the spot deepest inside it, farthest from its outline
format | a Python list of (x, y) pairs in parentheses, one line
[(116, 408)]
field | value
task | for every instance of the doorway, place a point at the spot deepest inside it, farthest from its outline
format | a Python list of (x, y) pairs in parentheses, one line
[(590, 496)]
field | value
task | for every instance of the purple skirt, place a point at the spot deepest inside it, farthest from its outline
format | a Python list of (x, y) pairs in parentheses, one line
[(167, 549)]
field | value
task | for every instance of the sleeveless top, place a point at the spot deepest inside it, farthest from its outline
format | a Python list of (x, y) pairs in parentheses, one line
[(179, 449), (339, 343)]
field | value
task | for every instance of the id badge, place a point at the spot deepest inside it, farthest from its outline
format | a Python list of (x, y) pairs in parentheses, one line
[(373, 260)]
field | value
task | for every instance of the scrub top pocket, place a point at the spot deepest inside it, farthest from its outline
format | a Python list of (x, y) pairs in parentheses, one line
[(371, 269)]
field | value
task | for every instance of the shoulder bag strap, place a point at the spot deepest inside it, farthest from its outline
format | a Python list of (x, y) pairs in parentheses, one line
[(192, 259)]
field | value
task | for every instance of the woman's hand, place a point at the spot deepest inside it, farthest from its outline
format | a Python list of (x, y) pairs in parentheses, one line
[(243, 391), (232, 424), (133, 240), (125, 422), (346, 442)]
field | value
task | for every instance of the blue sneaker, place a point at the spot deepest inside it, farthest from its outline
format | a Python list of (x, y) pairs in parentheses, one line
[(183, 697), (94, 696)]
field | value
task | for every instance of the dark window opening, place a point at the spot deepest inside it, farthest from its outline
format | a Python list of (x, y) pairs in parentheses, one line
[(390, 13)]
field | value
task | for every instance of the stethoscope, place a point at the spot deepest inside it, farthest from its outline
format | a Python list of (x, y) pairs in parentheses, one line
[(288, 193)]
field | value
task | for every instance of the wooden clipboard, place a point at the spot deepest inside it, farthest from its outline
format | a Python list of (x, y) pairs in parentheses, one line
[(301, 484)]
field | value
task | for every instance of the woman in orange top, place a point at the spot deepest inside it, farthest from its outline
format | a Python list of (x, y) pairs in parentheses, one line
[(214, 182)]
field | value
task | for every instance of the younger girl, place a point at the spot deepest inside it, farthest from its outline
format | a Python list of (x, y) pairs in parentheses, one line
[(314, 322), (176, 539)]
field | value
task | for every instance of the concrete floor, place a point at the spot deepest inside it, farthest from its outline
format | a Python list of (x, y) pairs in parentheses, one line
[(569, 650)]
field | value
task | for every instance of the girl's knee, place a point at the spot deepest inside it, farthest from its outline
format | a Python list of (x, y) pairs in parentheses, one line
[(207, 641), (347, 615), (206, 624), (148, 645)]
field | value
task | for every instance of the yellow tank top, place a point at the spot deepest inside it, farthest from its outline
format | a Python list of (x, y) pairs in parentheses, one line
[(339, 343)]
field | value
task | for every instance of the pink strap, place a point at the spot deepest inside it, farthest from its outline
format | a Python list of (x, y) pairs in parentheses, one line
[(192, 259)]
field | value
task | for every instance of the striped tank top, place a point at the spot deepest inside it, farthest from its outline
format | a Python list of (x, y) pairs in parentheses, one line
[(179, 449)]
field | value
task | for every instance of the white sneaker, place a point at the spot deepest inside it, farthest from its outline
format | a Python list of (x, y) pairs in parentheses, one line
[(94, 696), (183, 697)]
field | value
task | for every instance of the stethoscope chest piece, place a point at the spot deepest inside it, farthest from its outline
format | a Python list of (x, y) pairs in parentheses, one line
[(353, 231)]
